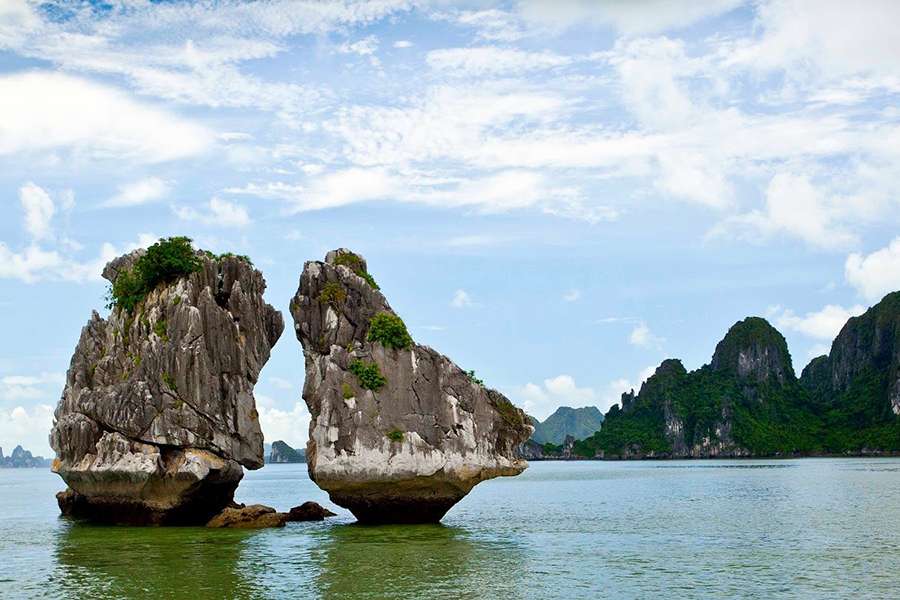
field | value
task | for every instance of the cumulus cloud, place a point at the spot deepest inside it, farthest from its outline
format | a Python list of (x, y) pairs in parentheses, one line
[(46, 257), (291, 426), (43, 112), (28, 427), (139, 192), (823, 324), (217, 213), (30, 387), (796, 207), (39, 210), (643, 337), (540, 400), (461, 299), (875, 274), (572, 296)]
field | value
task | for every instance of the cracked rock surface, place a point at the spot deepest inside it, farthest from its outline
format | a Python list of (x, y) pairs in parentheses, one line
[(157, 417), (405, 451)]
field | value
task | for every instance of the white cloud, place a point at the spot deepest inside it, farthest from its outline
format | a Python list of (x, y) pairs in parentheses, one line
[(612, 394), (876, 274), (364, 47), (491, 60), (572, 295), (281, 383), (39, 210), (630, 18), (289, 426), (822, 37), (35, 263), (824, 324), (461, 299), (48, 111), (796, 207), (218, 213), (643, 337), (139, 192), (402, 44), (272, 190), (31, 387), (540, 400), (30, 429)]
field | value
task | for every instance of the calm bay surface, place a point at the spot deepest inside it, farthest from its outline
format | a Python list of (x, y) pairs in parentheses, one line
[(805, 528)]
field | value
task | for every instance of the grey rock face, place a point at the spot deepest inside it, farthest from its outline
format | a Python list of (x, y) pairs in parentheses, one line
[(410, 449), (157, 416), (756, 352)]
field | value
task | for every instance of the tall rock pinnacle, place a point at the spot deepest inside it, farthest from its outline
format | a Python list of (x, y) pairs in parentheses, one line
[(399, 433), (157, 416)]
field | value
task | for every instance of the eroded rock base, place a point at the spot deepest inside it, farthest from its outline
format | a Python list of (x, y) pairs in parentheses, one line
[(379, 509), (116, 511)]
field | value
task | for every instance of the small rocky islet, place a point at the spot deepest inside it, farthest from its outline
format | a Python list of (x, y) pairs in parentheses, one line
[(157, 419)]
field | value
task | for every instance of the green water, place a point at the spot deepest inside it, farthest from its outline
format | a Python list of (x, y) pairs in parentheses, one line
[(810, 528)]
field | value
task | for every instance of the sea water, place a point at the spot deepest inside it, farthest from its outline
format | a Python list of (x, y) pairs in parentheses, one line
[(809, 528)]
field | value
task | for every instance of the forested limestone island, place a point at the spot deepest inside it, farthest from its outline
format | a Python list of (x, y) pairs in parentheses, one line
[(281, 453), (554, 438), (398, 432), (748, 401), (22, 459)]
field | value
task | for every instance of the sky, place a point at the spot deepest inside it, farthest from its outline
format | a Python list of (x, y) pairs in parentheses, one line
[(556, 195)]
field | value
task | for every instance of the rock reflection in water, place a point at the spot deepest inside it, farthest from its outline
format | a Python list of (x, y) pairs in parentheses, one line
[(148, 562), (414, 561)]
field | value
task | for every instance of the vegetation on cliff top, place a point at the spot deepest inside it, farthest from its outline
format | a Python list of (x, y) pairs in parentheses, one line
[(167, 260), (355, 264)]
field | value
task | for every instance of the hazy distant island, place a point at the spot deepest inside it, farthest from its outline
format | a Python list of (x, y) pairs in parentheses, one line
[(748, 402), (23, 459), (279, 452)]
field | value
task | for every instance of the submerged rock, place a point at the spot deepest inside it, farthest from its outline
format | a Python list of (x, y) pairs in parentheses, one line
[(399, 433), (255, 516), (157, 417), (309, 511)]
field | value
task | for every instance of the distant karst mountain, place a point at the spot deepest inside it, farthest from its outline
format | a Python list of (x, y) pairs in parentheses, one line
[(22, 459), (576, 422), (282, 453), (748, 401)]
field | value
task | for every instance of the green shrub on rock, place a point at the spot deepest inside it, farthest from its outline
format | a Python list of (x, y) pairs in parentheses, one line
[(390, 331), (368, 374), (353, 262), (164, 261), (333, 293)]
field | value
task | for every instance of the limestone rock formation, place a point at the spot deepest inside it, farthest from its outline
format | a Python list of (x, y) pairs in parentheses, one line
[(255, 516), (157, 416), (747, 401), (282, 453), (866, 353), (309, 511), (399, 433)]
